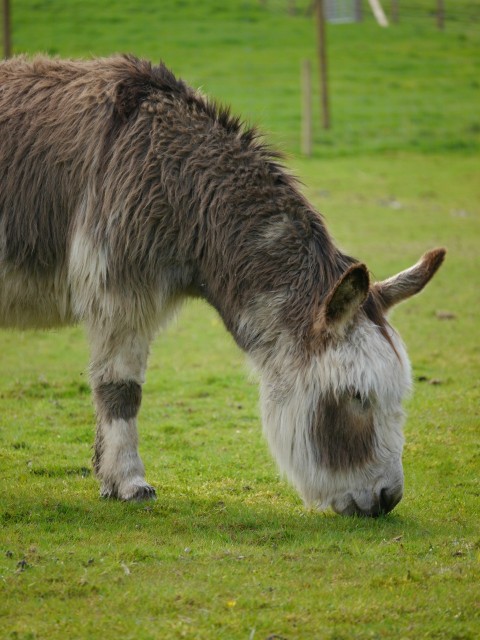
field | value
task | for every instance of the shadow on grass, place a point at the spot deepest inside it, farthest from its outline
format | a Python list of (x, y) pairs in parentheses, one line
[(196, 521)]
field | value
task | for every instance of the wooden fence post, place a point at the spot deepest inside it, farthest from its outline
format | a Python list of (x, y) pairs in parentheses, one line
[(358, 11), (394, 11), (440, 14), (322, 63), (307, 129)]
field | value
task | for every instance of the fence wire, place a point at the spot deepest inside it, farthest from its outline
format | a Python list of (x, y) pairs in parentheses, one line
[(409, 86)]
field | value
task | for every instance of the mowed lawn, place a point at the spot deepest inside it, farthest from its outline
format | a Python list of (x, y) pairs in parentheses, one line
[(228, 550)]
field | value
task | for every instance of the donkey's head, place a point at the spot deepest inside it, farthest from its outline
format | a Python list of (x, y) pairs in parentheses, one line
[(334, 419)]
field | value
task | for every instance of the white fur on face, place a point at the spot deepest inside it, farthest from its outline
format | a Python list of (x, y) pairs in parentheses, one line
[(363, 362)]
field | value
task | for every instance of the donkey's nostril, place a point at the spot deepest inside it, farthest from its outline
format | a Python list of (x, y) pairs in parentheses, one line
[(368, 504), (389, 499)]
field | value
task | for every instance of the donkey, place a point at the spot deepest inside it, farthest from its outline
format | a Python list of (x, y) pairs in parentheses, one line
[(124, 192)]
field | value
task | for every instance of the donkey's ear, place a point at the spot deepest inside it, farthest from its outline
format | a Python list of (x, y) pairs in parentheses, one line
[(411, 281), (346, 297)]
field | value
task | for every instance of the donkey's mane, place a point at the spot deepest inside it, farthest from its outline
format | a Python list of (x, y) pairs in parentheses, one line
[(145, 80)]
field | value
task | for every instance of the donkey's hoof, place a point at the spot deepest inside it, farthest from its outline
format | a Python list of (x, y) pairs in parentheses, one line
[(132, 492), (139, 493)]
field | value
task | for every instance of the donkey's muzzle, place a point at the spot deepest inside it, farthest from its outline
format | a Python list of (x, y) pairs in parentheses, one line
[(381, 504)]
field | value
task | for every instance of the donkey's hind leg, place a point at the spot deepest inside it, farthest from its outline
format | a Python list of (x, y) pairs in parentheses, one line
[(118, 367)]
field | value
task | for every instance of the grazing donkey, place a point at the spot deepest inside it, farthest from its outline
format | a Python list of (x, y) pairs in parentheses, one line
[(124, 191)]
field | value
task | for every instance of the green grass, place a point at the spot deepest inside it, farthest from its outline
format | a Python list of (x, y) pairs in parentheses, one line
[(408, 87), (227, 550)]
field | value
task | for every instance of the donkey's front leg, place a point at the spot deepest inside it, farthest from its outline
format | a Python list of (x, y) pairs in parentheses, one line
[(117, 373)]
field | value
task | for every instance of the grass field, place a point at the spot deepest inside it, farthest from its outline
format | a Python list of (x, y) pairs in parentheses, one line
[(227, 550), (409, 87)]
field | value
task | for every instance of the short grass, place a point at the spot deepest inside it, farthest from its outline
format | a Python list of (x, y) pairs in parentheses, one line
[(227, 550), (410, 86)]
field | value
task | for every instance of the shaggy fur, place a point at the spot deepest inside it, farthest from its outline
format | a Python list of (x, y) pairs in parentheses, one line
[(125, 191)]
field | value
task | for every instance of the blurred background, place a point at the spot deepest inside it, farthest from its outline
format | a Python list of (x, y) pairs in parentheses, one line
[(227, 550), (414, 85)]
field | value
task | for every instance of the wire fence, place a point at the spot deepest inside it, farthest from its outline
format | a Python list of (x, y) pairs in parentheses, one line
[(453, 9), (409, 86)]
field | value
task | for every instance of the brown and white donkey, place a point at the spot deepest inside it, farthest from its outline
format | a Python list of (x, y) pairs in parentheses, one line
[(124, 191)]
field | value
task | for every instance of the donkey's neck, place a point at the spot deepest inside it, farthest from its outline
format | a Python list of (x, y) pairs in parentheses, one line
[(263, 257)]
